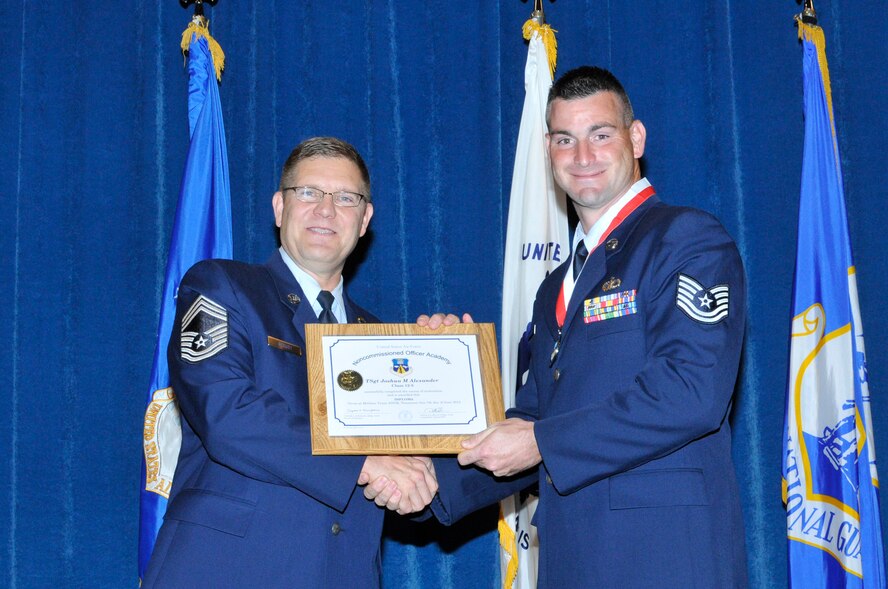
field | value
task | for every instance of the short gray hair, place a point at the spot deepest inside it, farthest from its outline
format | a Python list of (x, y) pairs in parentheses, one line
[(330, 147)]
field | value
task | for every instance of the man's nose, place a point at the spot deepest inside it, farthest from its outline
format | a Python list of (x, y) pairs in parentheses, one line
[(325, 207), (584, 154)]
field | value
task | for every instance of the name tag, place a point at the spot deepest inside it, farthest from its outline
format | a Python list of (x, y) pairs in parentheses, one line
[(609, 306), (285, 346)]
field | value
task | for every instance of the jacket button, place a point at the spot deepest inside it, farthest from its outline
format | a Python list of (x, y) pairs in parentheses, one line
[(335, 528), (557, 374)]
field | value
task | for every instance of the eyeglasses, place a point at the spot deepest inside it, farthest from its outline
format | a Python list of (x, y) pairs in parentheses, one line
[(341, 198)]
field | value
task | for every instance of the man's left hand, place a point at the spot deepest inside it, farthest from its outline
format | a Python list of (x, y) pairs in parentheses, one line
[(439, 319), (505, 448)]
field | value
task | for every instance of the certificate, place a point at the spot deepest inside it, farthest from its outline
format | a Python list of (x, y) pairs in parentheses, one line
[(400, 388)]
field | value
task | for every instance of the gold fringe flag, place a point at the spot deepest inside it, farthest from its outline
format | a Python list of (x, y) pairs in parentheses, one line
[(537, 215), (828, 402), (201, 229)]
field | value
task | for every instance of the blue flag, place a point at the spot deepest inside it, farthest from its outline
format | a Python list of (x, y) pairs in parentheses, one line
[(830, 485), (202, 229)]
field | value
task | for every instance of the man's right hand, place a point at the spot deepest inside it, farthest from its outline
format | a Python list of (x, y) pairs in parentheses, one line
[(405, 484)]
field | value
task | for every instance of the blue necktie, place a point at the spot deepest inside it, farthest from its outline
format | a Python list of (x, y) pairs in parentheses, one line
[(325, 298), (579, 258)]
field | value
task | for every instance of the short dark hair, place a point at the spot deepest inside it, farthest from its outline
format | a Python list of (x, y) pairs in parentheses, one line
[(325, 147), (585, 81)]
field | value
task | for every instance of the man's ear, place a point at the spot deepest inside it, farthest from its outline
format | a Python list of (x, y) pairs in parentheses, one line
[(277, 203), (638, 135), (365, 222)]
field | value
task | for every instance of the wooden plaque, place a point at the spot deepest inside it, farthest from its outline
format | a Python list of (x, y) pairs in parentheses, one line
[(324, 444)]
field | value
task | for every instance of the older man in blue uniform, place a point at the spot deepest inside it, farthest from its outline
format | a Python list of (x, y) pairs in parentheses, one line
[(250, 506), (635, 345)]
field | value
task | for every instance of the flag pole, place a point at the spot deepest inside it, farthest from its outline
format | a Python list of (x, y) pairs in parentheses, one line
[(198, 5)]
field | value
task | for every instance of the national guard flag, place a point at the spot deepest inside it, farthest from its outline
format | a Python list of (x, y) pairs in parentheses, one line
[(201, 229), (830, 485)]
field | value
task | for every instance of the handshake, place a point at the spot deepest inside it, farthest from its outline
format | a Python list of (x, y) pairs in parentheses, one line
[(407, 484)]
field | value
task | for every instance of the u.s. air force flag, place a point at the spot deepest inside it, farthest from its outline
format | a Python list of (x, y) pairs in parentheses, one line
[(829, 470), (536, 244), (202, 229)]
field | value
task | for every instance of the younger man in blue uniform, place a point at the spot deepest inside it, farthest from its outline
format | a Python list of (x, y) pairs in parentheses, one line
[(635, 345)]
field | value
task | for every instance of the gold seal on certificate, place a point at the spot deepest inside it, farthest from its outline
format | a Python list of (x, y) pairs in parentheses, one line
[(400, 388), (349, 380)]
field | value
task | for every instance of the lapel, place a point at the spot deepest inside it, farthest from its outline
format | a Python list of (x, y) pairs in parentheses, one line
[(550, 292), (593, 272), (290, 293), (596, 267), (353, 313)]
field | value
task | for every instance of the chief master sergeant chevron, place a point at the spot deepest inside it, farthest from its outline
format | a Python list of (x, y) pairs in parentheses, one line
[(250, 506), (633, 365)]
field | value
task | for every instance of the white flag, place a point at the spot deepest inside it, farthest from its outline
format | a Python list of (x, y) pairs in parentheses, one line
[(536, 244)]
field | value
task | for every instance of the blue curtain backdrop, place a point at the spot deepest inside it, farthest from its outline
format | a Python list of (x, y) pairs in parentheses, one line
[(94, 133)]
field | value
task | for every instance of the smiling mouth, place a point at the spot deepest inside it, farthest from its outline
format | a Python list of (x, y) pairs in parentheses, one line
[(588, 175), (321, 230)]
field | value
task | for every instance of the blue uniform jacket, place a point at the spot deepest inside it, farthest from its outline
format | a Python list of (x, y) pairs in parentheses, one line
[(637, 487), (250, 506)]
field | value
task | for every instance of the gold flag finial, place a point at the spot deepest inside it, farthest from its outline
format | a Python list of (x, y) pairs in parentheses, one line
[(808, 15), (537, 24), (537, 15)]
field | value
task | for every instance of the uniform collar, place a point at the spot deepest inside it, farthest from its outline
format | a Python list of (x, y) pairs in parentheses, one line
[(311, 288), (593, 236)]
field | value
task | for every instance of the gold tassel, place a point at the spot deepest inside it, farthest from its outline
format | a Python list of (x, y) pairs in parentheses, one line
[(547, 35), (199, 27), (509, 543), (814, 34)]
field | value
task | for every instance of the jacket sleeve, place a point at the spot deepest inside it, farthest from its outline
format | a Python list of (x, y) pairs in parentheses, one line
[(252, 431), (683, 390), (465, 489), (462, 490)]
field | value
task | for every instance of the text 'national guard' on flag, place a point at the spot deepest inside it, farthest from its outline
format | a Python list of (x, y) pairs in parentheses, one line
[(830, 485)]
